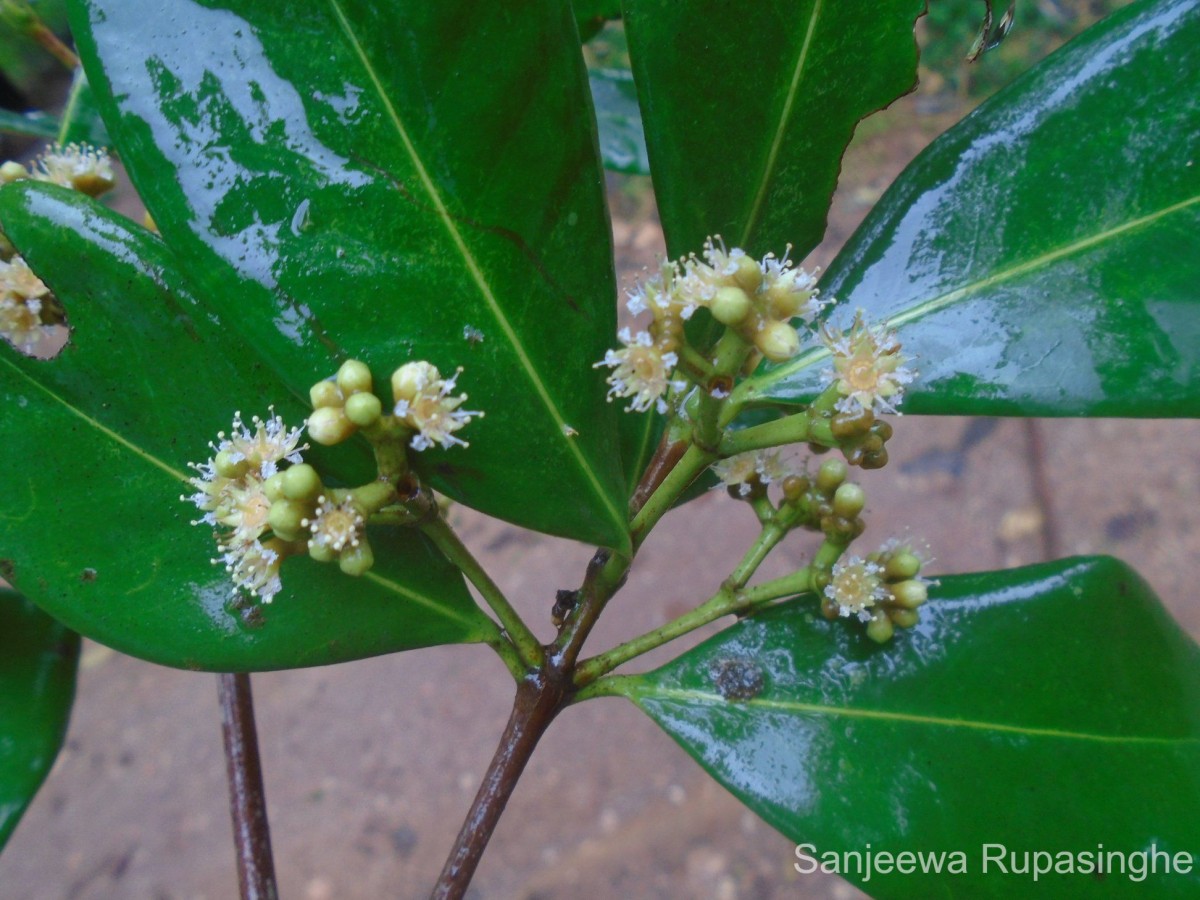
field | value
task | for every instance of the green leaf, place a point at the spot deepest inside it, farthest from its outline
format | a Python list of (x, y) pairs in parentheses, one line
[(622, 139), (1045, 708), (38, 657), (97, 443), (388, 181), (31, 124), (1041, 258), (748, 108), (81, 119)]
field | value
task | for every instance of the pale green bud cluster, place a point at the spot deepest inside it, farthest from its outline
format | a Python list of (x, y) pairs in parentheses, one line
[(343, 404), (885, 590)]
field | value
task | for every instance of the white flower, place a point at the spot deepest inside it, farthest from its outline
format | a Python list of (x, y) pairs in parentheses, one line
[(641, 371), (231, 492), (254, 567), (77, 166), (742, 469), (867, 367), (269, 444), (424, 403), (335, 525), (856, 586), (789, 290)]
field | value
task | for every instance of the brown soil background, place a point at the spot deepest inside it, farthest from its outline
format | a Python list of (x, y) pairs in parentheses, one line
[(370, 766)]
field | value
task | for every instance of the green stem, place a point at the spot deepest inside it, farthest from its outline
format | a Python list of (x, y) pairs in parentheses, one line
[(723, 603), (527, 646), (691, 464), (794, 429)]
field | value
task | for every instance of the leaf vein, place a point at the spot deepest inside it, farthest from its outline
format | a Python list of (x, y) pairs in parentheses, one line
[(793, 706)]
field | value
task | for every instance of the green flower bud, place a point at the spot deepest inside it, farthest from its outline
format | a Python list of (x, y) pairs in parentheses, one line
[(903, 565), (322, 552), (357, 560), (880, 629), (286, 518), (904, 618), (227, 467), (354, 377), (324, 394), (831, 474), (748, 275), (849, 500), (730, 305), (363, 409), (273, 487), (910, 594), (301, 482), (328, 425), (778, 341)]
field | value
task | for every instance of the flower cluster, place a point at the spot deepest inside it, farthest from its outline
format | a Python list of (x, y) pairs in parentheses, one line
[(884, 590), (80, 167), (26, 308), (233, 490), (756, 299), (868, 370), (424, 404)]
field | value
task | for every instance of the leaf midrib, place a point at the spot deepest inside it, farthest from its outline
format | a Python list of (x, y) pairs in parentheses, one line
[(562, 429), (792, 706), (934, 304), (147, 457), (785, 116)]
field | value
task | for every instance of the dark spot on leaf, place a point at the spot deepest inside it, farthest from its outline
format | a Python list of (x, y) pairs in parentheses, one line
[(252, 617), (736, 678), (87, 576), (7, 569)]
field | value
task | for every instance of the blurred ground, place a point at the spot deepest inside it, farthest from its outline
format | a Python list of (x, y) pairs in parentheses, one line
[(370, 766)]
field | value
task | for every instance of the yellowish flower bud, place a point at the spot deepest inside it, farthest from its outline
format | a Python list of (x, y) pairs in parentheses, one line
[(363, 409), (301, 482), (748, 274), (880, 629), (831, 474), (778, 341), (910, 594), (286, 519), (328, 425), (354, 377), (731, 305), (325, 394), (849, 500), (357, 560), (13, 171), (904, 618)]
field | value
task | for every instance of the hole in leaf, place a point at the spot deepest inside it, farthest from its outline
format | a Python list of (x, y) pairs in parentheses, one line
[(32, 320)]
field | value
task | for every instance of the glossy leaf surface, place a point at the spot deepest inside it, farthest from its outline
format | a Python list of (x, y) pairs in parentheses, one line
[(97, 441), (1053, 707), (748, 108), (389, 181), (31, 124), (1042, 257), (38, 657), (622, 139)]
